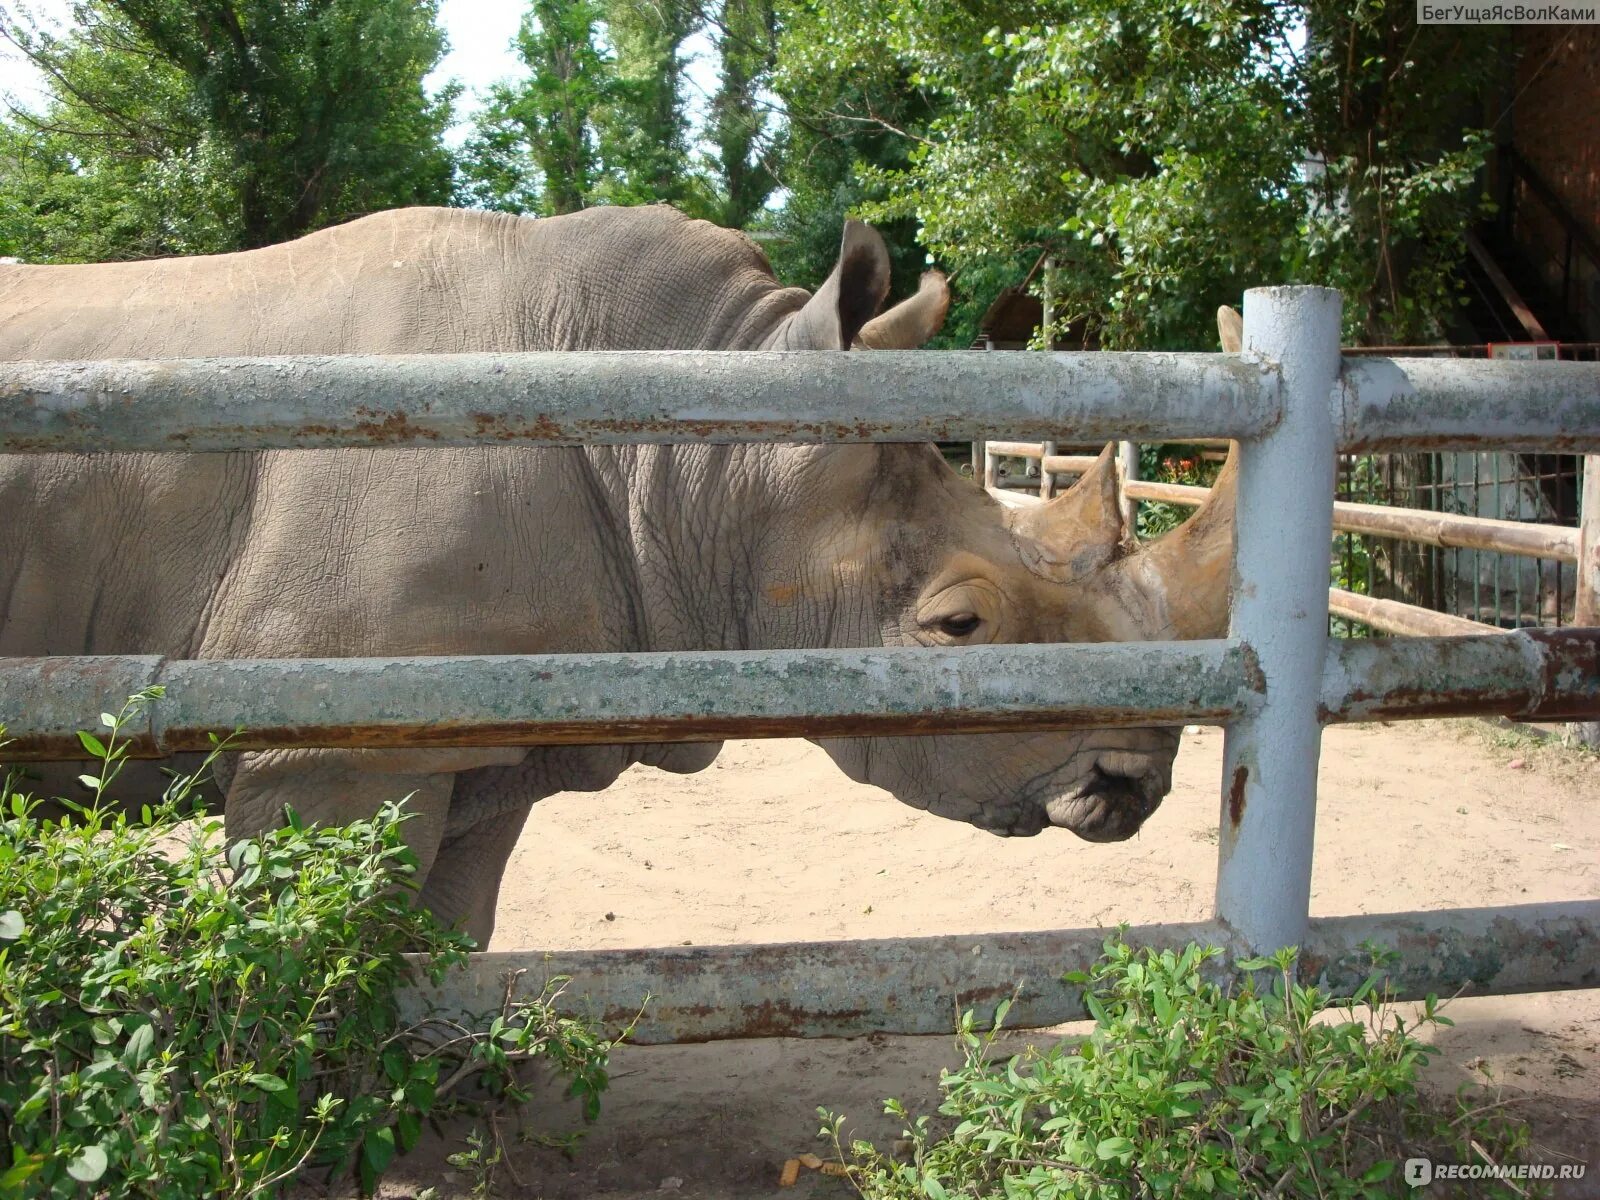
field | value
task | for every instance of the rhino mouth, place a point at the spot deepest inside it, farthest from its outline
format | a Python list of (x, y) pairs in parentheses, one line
[(1113, 801)]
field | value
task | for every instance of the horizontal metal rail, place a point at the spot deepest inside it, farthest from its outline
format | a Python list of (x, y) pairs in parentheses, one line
[(1534, 674), (643, 396), (680, 396), (592, 698), (1466, 404), (711, 695), (918, 985)]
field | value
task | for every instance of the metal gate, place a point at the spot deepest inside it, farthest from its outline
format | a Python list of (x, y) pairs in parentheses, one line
[(1274, 682)]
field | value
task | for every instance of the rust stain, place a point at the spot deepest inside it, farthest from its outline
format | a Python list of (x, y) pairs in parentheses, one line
[(384, 427), (1241, 776), (683, 727), (782, 594)]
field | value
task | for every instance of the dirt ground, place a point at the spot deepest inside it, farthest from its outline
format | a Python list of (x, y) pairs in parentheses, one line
[(772, 843)]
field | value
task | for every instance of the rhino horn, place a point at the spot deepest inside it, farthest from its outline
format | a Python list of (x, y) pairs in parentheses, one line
[(1188, 572), (1082, 529), (912, 322), (1192, 567)]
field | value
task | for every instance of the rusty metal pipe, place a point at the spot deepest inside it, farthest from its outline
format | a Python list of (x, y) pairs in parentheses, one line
[(555, 399), (595, 698), (1463, 404), (1284, 523), (919, 985), (1529, 674)]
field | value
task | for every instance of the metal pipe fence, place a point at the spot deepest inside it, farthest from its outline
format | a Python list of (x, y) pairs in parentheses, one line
[(1274, 682)]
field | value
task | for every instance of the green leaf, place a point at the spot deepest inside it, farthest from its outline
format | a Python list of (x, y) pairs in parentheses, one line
[(408, 1127), (1114, 1147), (91, 743), (140, 1043), (89, 1164), (12, 925), (268, 1083), (377, 1150)]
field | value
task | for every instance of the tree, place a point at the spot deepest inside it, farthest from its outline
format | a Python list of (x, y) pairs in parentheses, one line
[(1160, 152), (642, 129), (740, 128), (213, 125), (847, 108), (534, 146)]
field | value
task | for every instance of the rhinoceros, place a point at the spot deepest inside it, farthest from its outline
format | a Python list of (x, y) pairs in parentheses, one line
[(505, 550)]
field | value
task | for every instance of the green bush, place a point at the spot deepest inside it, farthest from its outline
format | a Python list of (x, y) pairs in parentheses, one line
[(1187, 1089), (177, 1019)]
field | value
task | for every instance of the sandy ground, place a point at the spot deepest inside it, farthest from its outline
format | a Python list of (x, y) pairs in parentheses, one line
[(772, 843)]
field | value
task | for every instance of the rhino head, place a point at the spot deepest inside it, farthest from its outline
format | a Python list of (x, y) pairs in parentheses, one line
[(910, 553), (949, 566)]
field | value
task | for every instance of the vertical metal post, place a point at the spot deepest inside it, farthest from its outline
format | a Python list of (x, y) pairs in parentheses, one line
[(1587, 609), (1128, 460), (1047, 481), (1280, 609)]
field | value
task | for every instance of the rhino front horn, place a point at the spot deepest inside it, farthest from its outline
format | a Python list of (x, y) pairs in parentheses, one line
[(911, 323), (1082, 529)]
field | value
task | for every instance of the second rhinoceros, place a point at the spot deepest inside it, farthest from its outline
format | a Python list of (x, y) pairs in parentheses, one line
[(504, 550)]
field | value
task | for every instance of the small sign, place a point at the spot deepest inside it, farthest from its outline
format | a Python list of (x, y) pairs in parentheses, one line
[(1526, 351)]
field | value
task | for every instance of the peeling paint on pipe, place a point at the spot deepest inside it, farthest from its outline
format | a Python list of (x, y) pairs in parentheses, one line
[(554, 399), (1529, 674), (1467, 404), (919, 985), (586, 699), (709, 695)]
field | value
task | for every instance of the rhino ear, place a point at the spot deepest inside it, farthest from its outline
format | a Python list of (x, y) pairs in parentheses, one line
[(1230, 330), (911, 323), (850, 298)]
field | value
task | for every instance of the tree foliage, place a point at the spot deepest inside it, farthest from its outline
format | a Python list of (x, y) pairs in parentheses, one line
[(534, 145), (1166, 156), (185, 126), (603, 115), (1169, 156)]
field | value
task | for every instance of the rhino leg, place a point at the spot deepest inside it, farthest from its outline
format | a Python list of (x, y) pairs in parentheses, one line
[(464, 886)]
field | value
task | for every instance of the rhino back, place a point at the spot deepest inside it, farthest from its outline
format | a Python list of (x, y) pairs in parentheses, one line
[(363, 552), (419, 280)]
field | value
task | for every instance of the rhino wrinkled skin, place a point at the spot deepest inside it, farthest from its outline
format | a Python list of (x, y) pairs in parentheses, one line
[(505, 550)]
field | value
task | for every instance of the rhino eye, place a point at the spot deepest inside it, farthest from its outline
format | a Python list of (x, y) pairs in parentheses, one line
[(959, 625)]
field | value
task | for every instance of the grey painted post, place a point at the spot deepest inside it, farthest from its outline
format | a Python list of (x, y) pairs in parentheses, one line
[(1280, 608), (1587, 733), (1128, 458)]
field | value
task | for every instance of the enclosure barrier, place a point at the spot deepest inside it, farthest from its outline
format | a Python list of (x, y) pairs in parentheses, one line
[(1274, 682)]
